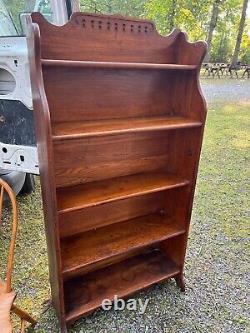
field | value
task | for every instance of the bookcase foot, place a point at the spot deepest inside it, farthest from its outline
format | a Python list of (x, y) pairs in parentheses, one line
[(118, 175), (179, 279)]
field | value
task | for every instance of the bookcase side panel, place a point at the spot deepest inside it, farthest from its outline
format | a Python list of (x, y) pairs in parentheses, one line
[(45, 155)]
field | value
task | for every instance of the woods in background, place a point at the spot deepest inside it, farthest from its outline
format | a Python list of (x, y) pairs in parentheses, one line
[(222, 23)]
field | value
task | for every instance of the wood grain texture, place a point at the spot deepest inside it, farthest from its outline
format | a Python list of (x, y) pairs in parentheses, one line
[(99, 158), (115, 39), (99, 94), (75, 222), (119, 117), (116, 65), (45, 157), (76, 130), (95, 246), (85, 294), (98, 193)]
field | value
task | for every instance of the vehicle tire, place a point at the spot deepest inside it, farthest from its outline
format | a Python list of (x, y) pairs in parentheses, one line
[(15, 179), (29, 184)]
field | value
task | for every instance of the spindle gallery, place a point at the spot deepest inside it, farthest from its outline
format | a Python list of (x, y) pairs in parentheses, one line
[(119, 122)]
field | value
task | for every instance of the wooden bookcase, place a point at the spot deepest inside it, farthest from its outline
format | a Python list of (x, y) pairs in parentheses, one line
[(119, 118)]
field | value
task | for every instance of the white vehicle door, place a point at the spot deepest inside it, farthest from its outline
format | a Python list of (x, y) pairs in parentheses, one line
[(17, 139)]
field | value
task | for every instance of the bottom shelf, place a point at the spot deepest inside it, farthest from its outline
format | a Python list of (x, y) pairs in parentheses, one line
[(86, 293)]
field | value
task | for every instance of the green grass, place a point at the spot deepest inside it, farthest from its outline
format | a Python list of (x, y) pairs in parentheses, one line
[(224, 172), (217, 259)]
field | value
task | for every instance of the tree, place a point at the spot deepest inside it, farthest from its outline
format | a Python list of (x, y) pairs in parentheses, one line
[(217, 21), (134, 8), (188, 15), (163, 13), (226, 31), (245, 48), (240, 33), (212, 26)]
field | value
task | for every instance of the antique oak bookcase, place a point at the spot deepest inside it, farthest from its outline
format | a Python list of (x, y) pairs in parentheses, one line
[(119, 119)]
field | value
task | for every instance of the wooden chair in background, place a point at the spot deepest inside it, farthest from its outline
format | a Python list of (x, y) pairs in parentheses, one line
[(7, 295)]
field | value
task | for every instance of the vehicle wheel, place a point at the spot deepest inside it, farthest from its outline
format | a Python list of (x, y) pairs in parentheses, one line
[(29, 184), (15, 179)]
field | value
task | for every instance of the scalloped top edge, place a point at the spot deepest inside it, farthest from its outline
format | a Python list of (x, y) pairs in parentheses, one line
[(109, 23)]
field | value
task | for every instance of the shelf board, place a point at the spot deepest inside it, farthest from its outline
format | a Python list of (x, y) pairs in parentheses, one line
[(84, 252), (76, 130), (96, 193), (86, 293), (115, 65)]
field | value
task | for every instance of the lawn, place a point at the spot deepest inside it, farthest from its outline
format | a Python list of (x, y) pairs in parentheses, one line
[(217, 262)]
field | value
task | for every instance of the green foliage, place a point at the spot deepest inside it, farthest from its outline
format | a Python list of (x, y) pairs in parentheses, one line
[(15, 7), (226, 31), (159, 11), (188, 15), (133, 8), (245, 49), (191, 16)]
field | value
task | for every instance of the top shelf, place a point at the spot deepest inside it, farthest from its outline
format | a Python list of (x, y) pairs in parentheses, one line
[(115, 65)]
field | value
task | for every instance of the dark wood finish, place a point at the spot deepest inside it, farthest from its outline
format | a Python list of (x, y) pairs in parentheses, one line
[(100, 244), (76, 130), (97, 193), (85, 293), (115, 65), (110, 157), (122, 210), (117, 88), (119, 122)]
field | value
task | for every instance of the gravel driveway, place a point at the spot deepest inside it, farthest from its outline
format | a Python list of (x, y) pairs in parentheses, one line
[(217, 262), (226, 90)]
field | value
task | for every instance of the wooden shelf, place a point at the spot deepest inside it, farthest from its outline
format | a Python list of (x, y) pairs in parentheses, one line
[(85, 294), (100, 192), (83, 252), (76, 130), (115, 65), (119, 126)]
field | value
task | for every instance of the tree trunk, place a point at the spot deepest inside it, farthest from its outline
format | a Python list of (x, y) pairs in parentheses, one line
[(172, 15), (220, 48), (240, 33), (212, 26)]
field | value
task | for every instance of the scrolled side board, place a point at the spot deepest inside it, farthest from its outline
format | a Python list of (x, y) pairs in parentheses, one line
[(45, 156), (116, 76)]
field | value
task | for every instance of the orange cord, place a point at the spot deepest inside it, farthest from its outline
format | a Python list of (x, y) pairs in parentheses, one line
[(5, 187)]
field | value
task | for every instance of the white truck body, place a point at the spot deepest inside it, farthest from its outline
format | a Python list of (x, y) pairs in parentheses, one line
[(15, 88)]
